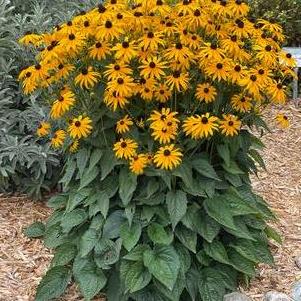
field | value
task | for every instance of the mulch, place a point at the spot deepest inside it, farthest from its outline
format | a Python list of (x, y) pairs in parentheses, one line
[(23, 261)]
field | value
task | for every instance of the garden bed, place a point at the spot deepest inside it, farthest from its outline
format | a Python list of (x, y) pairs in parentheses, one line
[(24, 261)]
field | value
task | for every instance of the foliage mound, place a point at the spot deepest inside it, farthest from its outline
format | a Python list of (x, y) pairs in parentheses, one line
[(154, 105)]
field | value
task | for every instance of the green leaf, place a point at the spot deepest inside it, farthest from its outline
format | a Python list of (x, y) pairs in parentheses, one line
[(176, 205), (217, 251), (103, 203), (134, 275), (64, 254), (187, 237), (219, 209), (107, 163), (127, 185), (257, 158), (203, 167), (53, 236), (206, 226), (82, 158), (57, 201), (69, 172), (76, 198), (73, 219), (211, 287), (95, 158), (91, 280), (238, 205), (229, 276), (233, 168), (130, 235), (184, 171), (137, 253), (163, 263), (158, 235), (111, 228), (192, 277), (88, 176), (87, 242), (203, 258), (35, 230), (241, 264), (224, 152), (241, 230), (53, 284), (107, 252), (272, 233)]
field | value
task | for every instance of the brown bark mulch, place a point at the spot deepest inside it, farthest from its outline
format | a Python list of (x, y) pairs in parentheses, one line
[(24, 261)]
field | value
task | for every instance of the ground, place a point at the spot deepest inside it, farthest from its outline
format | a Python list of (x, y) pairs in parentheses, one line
[(24, 261)]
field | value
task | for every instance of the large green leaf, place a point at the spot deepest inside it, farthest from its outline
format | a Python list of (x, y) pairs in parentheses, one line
[(134, 275), (69, 173), (107, 163), (233, 168), (203, 167), (53, 236), (220, 210), (64, 254), (107, 252), (176, 205), (241, 230), (73, 219), (184, 171), (272, 233), (240, 263), (95, 158), (217, 251), (211, 287), (206, 226), (159, 235), (53, 284), (130, 235), (137, 253), (90, 279), (88, 241), (127, 185), (187, 237), (163, 263), (88, 176), (192, 277), (35, 230), (82, 158), (111, 228), (224, 152), (238, 205)]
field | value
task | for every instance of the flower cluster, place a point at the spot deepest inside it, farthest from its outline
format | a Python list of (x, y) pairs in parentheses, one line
[(175, 72)]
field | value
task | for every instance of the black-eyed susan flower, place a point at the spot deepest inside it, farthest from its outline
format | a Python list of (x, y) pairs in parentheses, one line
[(87, 78), (125, 148), (99, 50), (162, 93), (211, 51), (206, 92), (122, 86), (238, 8), (117, 70), (241, 103), (80, 127), (30, 38), (198, 127), (178, 80), (282, 120), (138, 164), (218, 70), (287, 59), (168, 157), (166, 115), (125, 51), (252, 85), (152, 67), (114, 101), (123, 125), (277, 91), (73, 147), (151, 41), (58, 138), (230, 125), (73, 43), (62, 104), (178, 52), (64, 70), (43, 129), (109, 30)]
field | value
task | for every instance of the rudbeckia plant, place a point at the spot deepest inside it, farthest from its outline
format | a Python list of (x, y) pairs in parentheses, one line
[(155, 104)]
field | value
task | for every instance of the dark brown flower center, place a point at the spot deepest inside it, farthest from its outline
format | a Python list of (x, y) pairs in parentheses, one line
[(150, 35), (77, 123), (205, 120), (98, 45), (176, 74), (261, 71), (125, 44), (116, 67), (61, 99), (61, 66), (152, 65), (230, 123), (123, 144), (237, 68), (167, 153), (219, 66), (197, 13), (84, 71), (206, 90), (120, 81), (179, 46), (289, 56), (71, 37), (268, 48), (108, 24)]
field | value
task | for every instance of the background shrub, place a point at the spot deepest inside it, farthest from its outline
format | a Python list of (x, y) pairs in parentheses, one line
[(27, 164)]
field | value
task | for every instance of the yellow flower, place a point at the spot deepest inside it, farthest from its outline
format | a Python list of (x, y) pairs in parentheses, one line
[(73, 43), (162, 93), (80, 127), (63, 70), (282, 120), (122, 86), (58, 138), (125, 51), (138, 164), (241, 103), (109, 30), (230, 125), (200, 126), (114, 101), (62, 104), (178, 80), (117, 70), (99, 51), (152, 68), (30, 38), (124, 124), (125, 148), (277, 92), (87, 78), (168, 157), (206, 92), (164, 132), (74, 146), (179, 53), (151, 41), (43, 129), (218, 70)]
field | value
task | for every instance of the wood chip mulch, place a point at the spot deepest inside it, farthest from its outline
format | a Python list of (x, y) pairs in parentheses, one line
[(23, 262)]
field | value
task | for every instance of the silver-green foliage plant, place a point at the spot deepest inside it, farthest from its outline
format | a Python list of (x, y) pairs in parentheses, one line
[(27, 164)]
